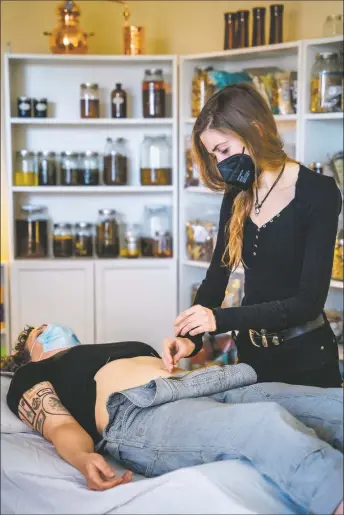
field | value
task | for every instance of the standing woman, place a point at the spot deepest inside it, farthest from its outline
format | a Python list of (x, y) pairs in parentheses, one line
[(279, 220)]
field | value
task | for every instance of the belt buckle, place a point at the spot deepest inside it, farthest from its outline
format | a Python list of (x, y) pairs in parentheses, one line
[(252, 334)]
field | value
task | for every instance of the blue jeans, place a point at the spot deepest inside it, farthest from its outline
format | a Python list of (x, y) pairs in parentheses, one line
[(291, 434)]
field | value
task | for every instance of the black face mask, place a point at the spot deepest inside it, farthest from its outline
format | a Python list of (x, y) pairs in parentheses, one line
[(238, 170)]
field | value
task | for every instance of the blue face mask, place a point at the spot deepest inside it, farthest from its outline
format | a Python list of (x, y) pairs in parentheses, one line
[(56, 337)]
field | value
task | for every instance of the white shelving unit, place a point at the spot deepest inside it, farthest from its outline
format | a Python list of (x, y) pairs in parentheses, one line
[(71, 291), (302, 132)]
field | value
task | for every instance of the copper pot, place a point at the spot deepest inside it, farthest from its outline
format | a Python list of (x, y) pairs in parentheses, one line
[(67, 37)]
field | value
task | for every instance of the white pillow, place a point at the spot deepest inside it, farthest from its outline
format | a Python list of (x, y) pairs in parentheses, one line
[(10, 423)]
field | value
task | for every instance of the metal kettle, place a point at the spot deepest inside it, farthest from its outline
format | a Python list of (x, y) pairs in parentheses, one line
[(68, 37)]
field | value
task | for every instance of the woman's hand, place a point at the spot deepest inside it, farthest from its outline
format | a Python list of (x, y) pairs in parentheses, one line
[(175, 349), (195, 320), (99, 474)]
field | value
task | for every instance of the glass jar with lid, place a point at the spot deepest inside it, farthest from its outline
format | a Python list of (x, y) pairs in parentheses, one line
[(25, 173), (31, 236), (200, 239), (107, 242), (157, 239), (202, 90), (62, 240), (116, 162), (47, 168), (70, 169), (89, 100), (326, 84), (153, 94), (89, 168), (83, 239), (132, 239), (156, 161)]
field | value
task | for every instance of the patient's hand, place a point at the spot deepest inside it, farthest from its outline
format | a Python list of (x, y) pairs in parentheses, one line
[(99, 474)]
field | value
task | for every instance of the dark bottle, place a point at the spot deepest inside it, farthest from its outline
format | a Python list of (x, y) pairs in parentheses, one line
[(258, 35), (230, 31), (40, 107), (276, 23), (242, 29), (118, 102), (47, 169), (24, 107)]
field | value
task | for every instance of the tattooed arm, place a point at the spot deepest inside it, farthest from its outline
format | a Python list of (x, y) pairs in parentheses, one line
[(41, 409)]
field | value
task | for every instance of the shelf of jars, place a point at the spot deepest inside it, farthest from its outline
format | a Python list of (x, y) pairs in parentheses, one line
[(94, 121), (92, 189)]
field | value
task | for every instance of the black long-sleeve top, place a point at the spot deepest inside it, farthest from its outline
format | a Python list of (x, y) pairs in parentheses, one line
[(288, 262)]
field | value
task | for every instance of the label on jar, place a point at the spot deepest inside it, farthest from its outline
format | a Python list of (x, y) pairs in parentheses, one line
[(331, 89), (118, 101), (24, 106), (41, 107)]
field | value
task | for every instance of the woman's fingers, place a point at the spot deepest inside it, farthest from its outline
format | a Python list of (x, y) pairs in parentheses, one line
[(169, 346), (185, 314), (191, 322)]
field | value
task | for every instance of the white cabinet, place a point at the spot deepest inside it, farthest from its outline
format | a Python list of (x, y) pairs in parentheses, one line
[(136, 302), (47, 291)]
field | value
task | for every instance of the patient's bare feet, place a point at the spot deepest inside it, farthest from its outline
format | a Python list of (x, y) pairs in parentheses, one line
[(340, 509)]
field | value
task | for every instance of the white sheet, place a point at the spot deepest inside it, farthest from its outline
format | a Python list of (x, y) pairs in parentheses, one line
[(35, 480)]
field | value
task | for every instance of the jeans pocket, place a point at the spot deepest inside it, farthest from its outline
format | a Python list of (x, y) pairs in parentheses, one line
[(138, 460), (167, 461)]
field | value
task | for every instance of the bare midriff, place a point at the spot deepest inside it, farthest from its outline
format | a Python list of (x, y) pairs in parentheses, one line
[(122, 374)]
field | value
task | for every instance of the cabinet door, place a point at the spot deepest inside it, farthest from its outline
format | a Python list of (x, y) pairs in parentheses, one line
[(53, 292), (135, 300)]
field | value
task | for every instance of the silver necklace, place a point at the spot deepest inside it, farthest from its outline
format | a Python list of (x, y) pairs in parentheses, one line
[(257, 204)]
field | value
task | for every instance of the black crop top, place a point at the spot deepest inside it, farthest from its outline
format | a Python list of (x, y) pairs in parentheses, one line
[(288, 261), (71, 372)]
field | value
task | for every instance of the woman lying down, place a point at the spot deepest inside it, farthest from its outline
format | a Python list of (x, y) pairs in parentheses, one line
[(119, 398)]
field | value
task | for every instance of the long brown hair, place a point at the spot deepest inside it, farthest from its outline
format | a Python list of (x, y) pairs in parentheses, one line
[(242, 110)]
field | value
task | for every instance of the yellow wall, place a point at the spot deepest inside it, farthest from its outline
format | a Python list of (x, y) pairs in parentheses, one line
[(176, 27)]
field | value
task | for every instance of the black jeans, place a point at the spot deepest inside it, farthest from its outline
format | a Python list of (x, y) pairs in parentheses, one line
[(310, 359)]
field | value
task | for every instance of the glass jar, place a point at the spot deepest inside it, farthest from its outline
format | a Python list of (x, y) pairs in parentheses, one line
[(25, 169), (156, 161), (107, 234), (32, 232), (89, 100), (62, 240), (83, 239), (24, 106), (153, 94), (202, 90), (191, 173), (230, 31), (116, 162), (333, 25), (326, 84), (338, 258), (70, 169), (89, 168), (132, 239), (200, 240), (47, 168), (157, 239)]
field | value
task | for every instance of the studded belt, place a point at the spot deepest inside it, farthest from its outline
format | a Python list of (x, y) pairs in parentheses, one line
[(263, 338)]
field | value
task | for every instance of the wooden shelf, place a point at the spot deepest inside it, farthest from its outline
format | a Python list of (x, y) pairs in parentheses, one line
[(324, 116), (59, 190), (92, 122)]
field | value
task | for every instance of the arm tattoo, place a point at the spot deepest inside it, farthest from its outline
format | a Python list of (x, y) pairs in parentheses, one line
[(37, 403)]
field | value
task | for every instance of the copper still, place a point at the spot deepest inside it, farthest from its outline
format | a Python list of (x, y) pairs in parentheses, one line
[(133, 36), (68, 37)]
